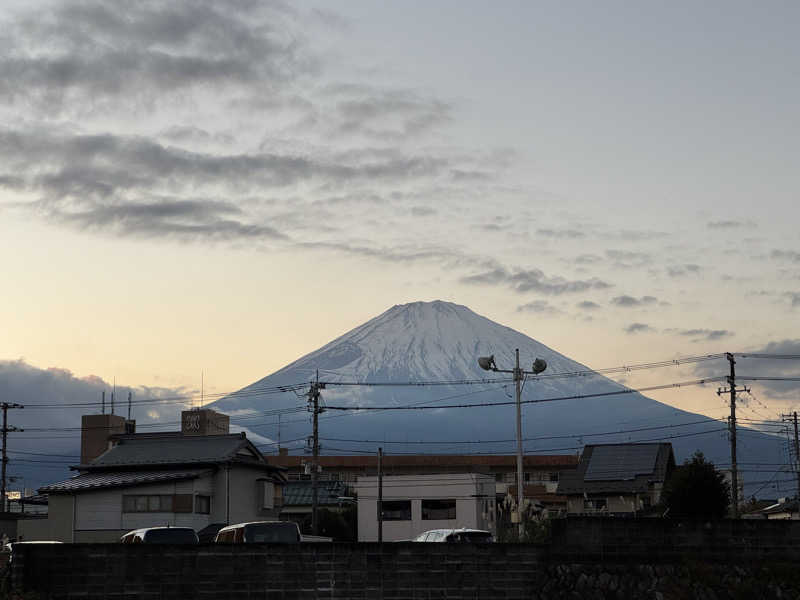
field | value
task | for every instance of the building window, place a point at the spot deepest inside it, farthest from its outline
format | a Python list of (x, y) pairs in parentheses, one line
[(147, 503), (527, 477), (202, 505), (498, 477), (396, 510), (554, 477), (438, 510), (179, 503)]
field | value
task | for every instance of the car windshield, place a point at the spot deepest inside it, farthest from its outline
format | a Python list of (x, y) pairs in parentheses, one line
[(172, 535), (285, 533), (473, 537)]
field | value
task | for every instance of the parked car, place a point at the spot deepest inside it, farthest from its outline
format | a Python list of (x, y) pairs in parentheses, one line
[(161, 535), (282, 532), (470, 536)]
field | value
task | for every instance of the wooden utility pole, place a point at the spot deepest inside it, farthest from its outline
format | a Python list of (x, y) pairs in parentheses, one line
[(6, 430), (732, 428), (380, 494), (793, 418), (314, 407)]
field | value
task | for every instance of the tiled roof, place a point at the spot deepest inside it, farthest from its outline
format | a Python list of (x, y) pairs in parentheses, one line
[(169, 449), (556, 461), (100, 480), (300, 493), (618, 468)]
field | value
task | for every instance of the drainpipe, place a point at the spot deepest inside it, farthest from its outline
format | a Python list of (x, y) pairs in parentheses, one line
[(228, 494)]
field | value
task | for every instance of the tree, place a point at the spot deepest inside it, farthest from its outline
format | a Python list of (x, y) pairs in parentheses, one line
[(697, 489)]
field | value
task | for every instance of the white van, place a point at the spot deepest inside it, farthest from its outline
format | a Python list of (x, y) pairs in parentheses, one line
[(260, 532), (161, 535)]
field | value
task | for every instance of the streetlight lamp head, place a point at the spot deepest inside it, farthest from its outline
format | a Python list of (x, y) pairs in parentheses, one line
[(539, 365), (487, 363)]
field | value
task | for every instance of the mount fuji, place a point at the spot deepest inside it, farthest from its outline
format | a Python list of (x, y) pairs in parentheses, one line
[(440, 342)]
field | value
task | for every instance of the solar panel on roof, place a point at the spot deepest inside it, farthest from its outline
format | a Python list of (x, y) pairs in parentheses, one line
[(619, 463)]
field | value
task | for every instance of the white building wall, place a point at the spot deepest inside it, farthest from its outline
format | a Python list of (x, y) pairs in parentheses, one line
[(474, 495)]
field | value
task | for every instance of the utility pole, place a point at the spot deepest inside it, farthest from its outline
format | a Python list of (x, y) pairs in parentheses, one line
[(103, 403), (313, 401), (520, 476), (539, 365), (6, 429), (732, 428), (793, 417), (130, 399), (380, 495)]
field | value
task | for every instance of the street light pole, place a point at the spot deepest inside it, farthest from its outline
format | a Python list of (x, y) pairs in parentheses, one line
[(487, 364)]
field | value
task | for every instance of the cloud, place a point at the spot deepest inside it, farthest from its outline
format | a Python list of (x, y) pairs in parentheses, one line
[(631, 302), (423, 211), (588, 259), (634, 328), (540, 307), (588, 305), (763, 361), (794, 298), (626, 259), (683, 270), (97, 54), (561, 233), (725, 224), (705, 334), (789, 255), (533, 280), (68, 397)]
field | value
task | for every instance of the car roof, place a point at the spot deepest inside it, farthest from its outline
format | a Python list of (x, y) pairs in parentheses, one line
[(237, 525), (146, 529), (460, 530)]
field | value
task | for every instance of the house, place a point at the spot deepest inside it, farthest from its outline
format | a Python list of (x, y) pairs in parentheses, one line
[(416, 503), (199, 477), (784, 509), (298, 498), (541, 472), (617, 479)]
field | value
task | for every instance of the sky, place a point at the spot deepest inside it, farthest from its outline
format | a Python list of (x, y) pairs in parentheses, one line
[(219, 188)]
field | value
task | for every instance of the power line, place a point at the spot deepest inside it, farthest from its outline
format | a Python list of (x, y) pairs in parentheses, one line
[(538, 401)]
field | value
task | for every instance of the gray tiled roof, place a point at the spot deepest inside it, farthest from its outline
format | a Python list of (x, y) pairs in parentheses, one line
[(144, 450), (87, 481), (618, 469), (300, 493)]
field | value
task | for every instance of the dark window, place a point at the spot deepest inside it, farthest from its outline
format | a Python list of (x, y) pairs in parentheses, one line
[(473, 537), (527, 477), (182, 503), (171, 535), (396, 510), (147, 503), (498, 477), (202, 505), (554, 477), (438, 510), (280, 531)]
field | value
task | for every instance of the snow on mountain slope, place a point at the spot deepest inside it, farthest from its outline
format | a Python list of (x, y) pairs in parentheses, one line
[(440, 341)]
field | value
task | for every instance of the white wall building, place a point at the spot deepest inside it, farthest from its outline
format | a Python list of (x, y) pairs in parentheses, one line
[(416, 503), (183, 479)]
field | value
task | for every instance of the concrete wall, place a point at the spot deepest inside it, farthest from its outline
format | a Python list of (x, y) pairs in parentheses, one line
[(474, 495), (389, 571)]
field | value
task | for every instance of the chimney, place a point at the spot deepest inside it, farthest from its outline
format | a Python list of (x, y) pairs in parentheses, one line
[(204, 421), (95, 431)]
